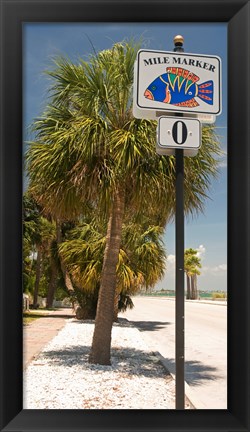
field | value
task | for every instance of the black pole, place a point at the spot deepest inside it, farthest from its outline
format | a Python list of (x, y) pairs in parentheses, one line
[(179, 284), (179, 272)]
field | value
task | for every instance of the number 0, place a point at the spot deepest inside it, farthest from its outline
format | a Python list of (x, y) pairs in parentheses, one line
[(179, 132)]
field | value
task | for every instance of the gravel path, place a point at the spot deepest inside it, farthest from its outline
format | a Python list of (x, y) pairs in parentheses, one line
[(61, 378)]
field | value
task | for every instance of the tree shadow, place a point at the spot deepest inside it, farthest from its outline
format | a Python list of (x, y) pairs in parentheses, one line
[(128, 361), (196, 372), (141, 325), (87, 321), (150, 325)]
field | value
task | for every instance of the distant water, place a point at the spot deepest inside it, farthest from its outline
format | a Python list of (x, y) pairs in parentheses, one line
[(204, 295)]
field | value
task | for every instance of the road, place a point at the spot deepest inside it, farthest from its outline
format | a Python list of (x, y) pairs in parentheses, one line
[(205, 343)]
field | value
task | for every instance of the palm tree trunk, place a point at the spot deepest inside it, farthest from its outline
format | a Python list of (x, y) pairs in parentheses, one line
[(52, 284), (38, 276), (116, 302), (101, 344), (192, 288), (195, 287), (188, 287), (67, 279)]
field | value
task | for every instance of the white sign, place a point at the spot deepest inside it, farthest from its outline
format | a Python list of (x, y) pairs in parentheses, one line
[(177, 82), (154, 115), (178, 133)]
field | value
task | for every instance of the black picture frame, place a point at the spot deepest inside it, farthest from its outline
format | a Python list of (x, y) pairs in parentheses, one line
[(236, 13)]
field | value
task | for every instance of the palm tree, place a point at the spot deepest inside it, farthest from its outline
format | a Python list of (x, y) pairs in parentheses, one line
[(192, 264), (54, 273), (141, 259), (45, 235), (40, 232), (90, 148), (31, 215)]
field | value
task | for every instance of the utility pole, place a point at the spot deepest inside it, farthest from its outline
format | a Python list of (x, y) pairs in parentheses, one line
[(179, 272)]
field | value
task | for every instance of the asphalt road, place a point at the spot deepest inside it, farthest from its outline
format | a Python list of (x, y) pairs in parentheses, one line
[(205, 344)]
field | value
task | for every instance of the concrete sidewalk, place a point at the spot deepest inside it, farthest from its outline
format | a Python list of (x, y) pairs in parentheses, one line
[(38, 333)]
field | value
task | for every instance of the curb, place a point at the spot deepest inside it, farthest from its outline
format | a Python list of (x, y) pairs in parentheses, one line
[(189, 393), (192, 399), (213, 302)]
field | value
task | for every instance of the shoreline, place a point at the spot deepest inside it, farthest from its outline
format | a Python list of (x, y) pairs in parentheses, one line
[(222, 302)]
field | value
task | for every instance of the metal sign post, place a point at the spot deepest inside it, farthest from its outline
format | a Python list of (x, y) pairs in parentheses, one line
[(179, 284), (179, 271)]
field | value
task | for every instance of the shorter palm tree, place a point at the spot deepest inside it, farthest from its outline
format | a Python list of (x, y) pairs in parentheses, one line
[(192, 264), (140, 264)]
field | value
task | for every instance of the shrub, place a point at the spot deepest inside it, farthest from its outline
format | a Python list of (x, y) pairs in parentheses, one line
[(87, 302), (218, 295)]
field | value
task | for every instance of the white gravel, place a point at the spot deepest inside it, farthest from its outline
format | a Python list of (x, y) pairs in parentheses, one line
[(61, 377)]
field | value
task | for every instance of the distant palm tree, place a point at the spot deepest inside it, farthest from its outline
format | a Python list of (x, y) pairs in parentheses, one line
[(90, 148), (192, 264), (41, 233), (46, 235)]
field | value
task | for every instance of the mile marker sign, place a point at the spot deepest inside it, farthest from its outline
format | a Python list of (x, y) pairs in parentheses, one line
[(177, 82)]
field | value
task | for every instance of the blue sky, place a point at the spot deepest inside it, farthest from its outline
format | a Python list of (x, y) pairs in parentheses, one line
[(44, 41)]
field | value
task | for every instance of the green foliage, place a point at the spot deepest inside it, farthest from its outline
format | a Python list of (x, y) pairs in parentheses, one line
[(218, 295), (28, 276), (83, 254), (143, 244), (141, 258), (125, 302), (61, 292), (87, 300), (192, 263)]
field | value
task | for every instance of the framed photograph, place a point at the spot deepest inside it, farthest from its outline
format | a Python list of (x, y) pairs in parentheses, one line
[(19, 21)]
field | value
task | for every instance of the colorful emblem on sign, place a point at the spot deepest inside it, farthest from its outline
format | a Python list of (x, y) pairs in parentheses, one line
[(179, 87)]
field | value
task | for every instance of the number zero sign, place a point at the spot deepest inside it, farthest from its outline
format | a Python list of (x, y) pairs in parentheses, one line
[(178, 133)]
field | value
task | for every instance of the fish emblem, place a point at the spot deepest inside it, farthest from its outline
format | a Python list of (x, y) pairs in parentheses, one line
[(179, 87)]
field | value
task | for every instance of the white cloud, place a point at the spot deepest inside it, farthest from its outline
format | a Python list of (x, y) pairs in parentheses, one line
[(215, 270), (170, 263), (220, 268), (201, 250), (171, 259)]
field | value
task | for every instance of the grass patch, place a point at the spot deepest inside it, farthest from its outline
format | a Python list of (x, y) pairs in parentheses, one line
[(29, 317)]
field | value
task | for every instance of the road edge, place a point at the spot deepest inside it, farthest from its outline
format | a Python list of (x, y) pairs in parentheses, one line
[(192, 399), (189, 393)]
